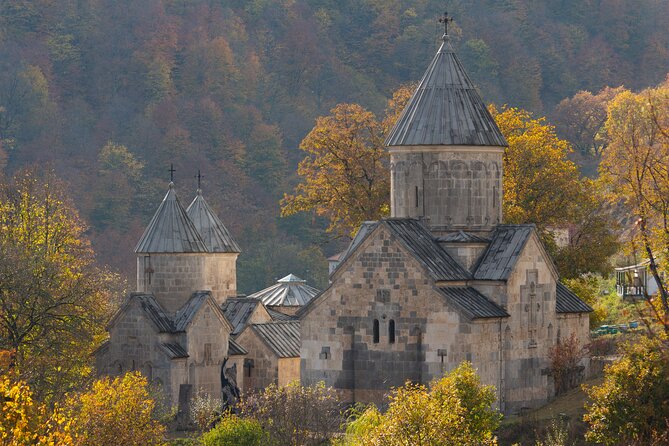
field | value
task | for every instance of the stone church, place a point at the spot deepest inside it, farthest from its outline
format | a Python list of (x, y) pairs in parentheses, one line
[(442, 280), (185, 328)]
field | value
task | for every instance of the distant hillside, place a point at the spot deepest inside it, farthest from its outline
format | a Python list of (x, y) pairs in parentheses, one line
[(231, 87)]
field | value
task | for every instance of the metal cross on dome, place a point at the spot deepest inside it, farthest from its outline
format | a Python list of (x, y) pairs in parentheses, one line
[(199, 179), (172, 172), (446, 20)]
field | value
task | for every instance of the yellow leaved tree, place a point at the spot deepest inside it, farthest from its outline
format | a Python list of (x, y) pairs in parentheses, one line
[(26, 422), (54, 300), (345, 175), (115, 411), (456, 409)]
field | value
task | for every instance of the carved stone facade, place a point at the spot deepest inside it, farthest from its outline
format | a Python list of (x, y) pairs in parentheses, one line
[(455, 189), (442, 281), (384, 320)]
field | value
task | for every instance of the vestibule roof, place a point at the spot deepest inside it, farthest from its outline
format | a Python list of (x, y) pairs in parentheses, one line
[(446, 109)]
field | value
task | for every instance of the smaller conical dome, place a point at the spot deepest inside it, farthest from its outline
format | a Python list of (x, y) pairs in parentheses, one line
[(288, 291), (214, 234), (170, 230)]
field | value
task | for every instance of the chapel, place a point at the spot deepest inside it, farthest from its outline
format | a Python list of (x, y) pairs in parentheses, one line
[(442, 280)]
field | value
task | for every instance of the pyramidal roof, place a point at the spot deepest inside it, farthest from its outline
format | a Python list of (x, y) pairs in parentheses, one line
[(446, 109), (170, 230), (214, 234), (289, 291)]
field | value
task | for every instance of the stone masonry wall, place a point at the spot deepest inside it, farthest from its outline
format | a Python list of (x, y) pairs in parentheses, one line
[(382, 282), (133, 345), (452, 189), (172, 278), (265, 365), (289, 370), (207, 344), (530, 331)]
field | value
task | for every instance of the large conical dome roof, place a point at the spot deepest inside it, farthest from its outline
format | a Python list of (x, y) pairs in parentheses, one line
[(446, 109), (170, 230), (214, 234)]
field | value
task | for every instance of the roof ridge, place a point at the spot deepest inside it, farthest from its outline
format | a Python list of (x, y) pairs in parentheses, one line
[(170, 229), (445, 109), (215, 235)]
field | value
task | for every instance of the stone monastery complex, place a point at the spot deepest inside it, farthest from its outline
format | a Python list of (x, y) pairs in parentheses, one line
[(439, 282)]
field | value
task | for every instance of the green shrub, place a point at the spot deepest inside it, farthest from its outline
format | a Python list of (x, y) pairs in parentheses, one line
[(235, 431)]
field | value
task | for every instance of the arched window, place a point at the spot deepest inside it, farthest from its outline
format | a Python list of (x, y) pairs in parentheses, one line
[(376, 331), (391, 331)]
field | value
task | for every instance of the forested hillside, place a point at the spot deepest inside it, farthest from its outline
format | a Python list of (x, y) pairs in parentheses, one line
[(110, 92)]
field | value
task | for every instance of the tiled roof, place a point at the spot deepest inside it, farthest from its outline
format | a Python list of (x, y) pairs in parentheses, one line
[(235, 349), (446, 109), (279, 316), (420, 242), (568, 302), (155, 312), (214, 234), (499, 259), (475, 304), (238, 310), (282, 337), (463, 237), (187, 312), (170, 230), (289, 291), (174, 350)]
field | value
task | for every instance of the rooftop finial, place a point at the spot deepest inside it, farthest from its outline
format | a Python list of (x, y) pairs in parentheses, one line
[(446, 19), (199, 182), (172, 173)]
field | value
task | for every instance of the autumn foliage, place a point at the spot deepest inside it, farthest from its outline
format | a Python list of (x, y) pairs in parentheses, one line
[(456, 409), (345, 174)]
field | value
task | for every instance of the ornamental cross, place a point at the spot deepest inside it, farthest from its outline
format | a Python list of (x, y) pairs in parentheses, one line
[(446, 20), (172, 173)]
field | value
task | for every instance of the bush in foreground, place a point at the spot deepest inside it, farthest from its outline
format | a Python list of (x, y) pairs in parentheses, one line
[(457, 409), (235, 431), (295, 415), (631, 406)]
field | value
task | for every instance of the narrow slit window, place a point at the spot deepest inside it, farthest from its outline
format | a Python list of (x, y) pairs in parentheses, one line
[(391, 331), (376, 331)]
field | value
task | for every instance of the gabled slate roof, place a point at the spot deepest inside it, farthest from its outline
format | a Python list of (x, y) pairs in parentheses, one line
[(174, 350), (420, 242), (502, 254), (288, 291), (463, 237), (279, 316), (446, 109), (238, 310), (214, 234), (283, 338), (365, 229), (187, 312), (170, 230), (473, 303), (155, 312), (235, 349), (568, 302)]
